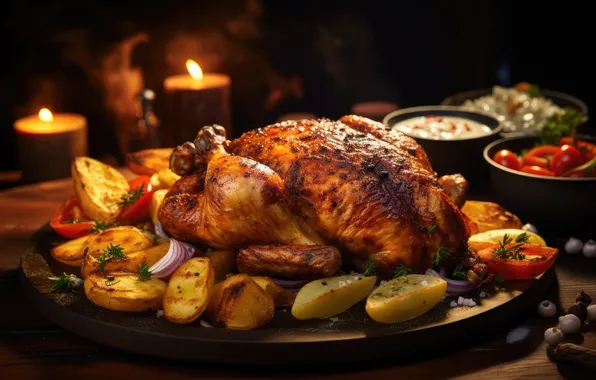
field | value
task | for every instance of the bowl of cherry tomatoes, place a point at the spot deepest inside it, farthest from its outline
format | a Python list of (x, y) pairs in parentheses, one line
[(554, 186)]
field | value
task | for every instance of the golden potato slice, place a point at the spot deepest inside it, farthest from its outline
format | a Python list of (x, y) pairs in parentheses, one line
[(99, 188), (282, 297), (124, 292), (405, 297), (149, 161), (238, 303), (223, 261), (490, 216), (189, 290), (129, 238), (148, 256), (156, 201), (487, 239), (327, 297), (164, 179)]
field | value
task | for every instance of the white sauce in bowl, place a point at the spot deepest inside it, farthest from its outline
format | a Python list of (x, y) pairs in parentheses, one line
[(442, 128)]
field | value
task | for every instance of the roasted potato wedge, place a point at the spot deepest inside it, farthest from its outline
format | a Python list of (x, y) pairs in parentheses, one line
[(158, 197), (149, 161), (490, 216), (238, 303), (223, 262), (327, 297), (405, 297), (164, 179), (124, 292), (189, 290), (282, 297), (99, 188), (148, 256), (129, 238), (488, 239)]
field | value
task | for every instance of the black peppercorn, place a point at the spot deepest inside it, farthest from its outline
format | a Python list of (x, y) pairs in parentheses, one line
[(580, 310), (583, 298)]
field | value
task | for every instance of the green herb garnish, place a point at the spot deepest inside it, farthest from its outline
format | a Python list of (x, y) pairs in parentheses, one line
[(371, 268), (534, 91), (64, 283), (499, 278), (432, 228), (144, 273), (99, 226), (512, 252), (561, 124), (111, 253), (459, 273), (133, 196), (442, 254), (401, 270)]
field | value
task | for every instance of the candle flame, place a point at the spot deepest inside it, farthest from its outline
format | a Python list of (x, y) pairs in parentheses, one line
[(194, 69), (46, 115)]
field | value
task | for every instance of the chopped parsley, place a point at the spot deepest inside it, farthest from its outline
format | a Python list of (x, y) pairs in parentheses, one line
[(144, 273), (432, 228), (460, 273), (111, 253), (561, 124), (371, 268), (442, 254), (401, 270), (133, 196), (513, 252), (64, 283)]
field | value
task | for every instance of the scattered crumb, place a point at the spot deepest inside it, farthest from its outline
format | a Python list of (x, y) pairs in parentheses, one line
[(482, 295), (334, 319), (460, 300), (453, 304), (472, 302), (517, 335), (159, 313), (204, 323), (466, 302)]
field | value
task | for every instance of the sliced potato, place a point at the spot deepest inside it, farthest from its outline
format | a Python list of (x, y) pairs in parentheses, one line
[(124, 292), (327, 297), (148, 256), (164, 179), (238, 303), (405, 298), (223, 261), (149, 161), (189, 290), (282, 297), (490, 216), (129, 238), (156, 201), (99, 188), (486, 239)]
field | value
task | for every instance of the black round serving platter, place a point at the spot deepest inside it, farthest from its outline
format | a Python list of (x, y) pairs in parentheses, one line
[(349, 338)]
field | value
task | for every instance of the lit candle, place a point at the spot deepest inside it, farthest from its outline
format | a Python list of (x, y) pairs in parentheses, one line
[(193, 100), (47, 144)]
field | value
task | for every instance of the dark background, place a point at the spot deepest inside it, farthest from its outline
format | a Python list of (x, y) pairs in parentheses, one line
[(283, 56)]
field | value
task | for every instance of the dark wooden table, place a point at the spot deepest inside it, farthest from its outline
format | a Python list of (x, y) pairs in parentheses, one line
[(33, 348)]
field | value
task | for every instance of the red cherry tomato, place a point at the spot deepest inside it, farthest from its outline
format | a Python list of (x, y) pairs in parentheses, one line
[(587, 149), (566, 158), (537, 170), (141, 193), (537, 259), (69, 220), (508, 159)]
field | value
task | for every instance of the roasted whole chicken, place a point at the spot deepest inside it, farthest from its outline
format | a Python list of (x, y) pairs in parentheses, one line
[(350, 184)]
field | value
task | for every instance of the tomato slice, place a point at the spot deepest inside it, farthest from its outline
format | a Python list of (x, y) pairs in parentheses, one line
[(587, 149), (537, 170), (136, 208), (565, 159), (537, 260), (508, 159), (69, 220)]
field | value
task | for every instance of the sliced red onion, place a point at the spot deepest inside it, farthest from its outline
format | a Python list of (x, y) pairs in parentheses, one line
[(290, 284), (454, 287), (160, 232), (178, 253)]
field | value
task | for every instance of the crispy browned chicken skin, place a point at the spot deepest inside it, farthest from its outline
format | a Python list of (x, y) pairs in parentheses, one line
[(350, 184)]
